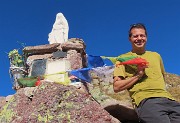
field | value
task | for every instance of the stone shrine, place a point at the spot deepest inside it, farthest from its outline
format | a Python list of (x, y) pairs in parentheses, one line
[(53, 60)]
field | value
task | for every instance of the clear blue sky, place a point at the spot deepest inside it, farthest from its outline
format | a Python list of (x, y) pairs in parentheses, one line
[(102, 24)]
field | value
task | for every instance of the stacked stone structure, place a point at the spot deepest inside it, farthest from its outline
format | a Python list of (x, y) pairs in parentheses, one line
[(54, 58)]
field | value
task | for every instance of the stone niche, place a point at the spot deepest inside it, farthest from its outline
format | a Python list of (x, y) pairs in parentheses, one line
[(52, 60)]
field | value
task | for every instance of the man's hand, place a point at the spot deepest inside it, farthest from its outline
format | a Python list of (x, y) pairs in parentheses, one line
[(141, 71)]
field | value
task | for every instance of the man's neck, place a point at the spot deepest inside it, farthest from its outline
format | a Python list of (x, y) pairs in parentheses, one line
[(138, 51)]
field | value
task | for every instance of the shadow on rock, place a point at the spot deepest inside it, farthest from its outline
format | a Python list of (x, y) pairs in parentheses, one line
[(122, 113)]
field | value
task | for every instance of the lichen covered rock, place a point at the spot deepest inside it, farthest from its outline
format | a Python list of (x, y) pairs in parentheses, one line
[(53, 103)]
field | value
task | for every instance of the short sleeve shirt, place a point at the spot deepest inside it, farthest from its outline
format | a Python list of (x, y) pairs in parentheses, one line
[(153, 85)]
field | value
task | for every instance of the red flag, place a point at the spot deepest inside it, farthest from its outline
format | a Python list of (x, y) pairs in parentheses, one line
[(136, 61)]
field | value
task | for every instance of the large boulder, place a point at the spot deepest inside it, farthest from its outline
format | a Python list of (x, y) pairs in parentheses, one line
[(53, 103)]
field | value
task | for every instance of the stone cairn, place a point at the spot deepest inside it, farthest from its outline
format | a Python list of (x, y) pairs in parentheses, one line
[(60, 55)]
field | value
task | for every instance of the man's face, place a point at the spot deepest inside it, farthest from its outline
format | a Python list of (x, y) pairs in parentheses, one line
[(138, 38)]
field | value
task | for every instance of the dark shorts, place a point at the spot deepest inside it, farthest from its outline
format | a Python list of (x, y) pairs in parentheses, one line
[(158, 110)]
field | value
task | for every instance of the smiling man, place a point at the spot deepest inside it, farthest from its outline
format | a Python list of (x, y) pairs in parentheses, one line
[(146, 85)]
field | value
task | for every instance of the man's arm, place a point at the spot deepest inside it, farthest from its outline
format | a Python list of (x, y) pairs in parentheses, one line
[(120, 83)]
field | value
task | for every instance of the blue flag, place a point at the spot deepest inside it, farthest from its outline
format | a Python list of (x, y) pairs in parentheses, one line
[(82, 74), (95, 61)]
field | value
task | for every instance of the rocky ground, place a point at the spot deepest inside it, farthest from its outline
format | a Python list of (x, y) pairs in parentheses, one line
[(51, 102)]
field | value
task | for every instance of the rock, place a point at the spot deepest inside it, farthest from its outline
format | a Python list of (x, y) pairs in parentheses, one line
[(54, 103), (42, 49), (121, 111), (2, 101), (75, 59), (8, 97), (74, 43)]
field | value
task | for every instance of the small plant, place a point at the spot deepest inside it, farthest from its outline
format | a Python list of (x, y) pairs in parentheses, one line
[(15, 58)]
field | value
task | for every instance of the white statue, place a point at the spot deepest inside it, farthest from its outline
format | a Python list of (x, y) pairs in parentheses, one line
[(59, 33)]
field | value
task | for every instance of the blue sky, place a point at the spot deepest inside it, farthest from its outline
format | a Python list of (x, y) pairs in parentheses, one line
[(102, 24)]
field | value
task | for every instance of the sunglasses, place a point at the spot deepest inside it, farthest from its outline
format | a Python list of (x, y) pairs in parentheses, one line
[(137, 25)]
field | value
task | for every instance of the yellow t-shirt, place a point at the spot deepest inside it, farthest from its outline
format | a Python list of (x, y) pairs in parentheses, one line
[(153, 85)]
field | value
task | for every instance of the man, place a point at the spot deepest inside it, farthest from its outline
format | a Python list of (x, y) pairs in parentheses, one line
[(146, 84)]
